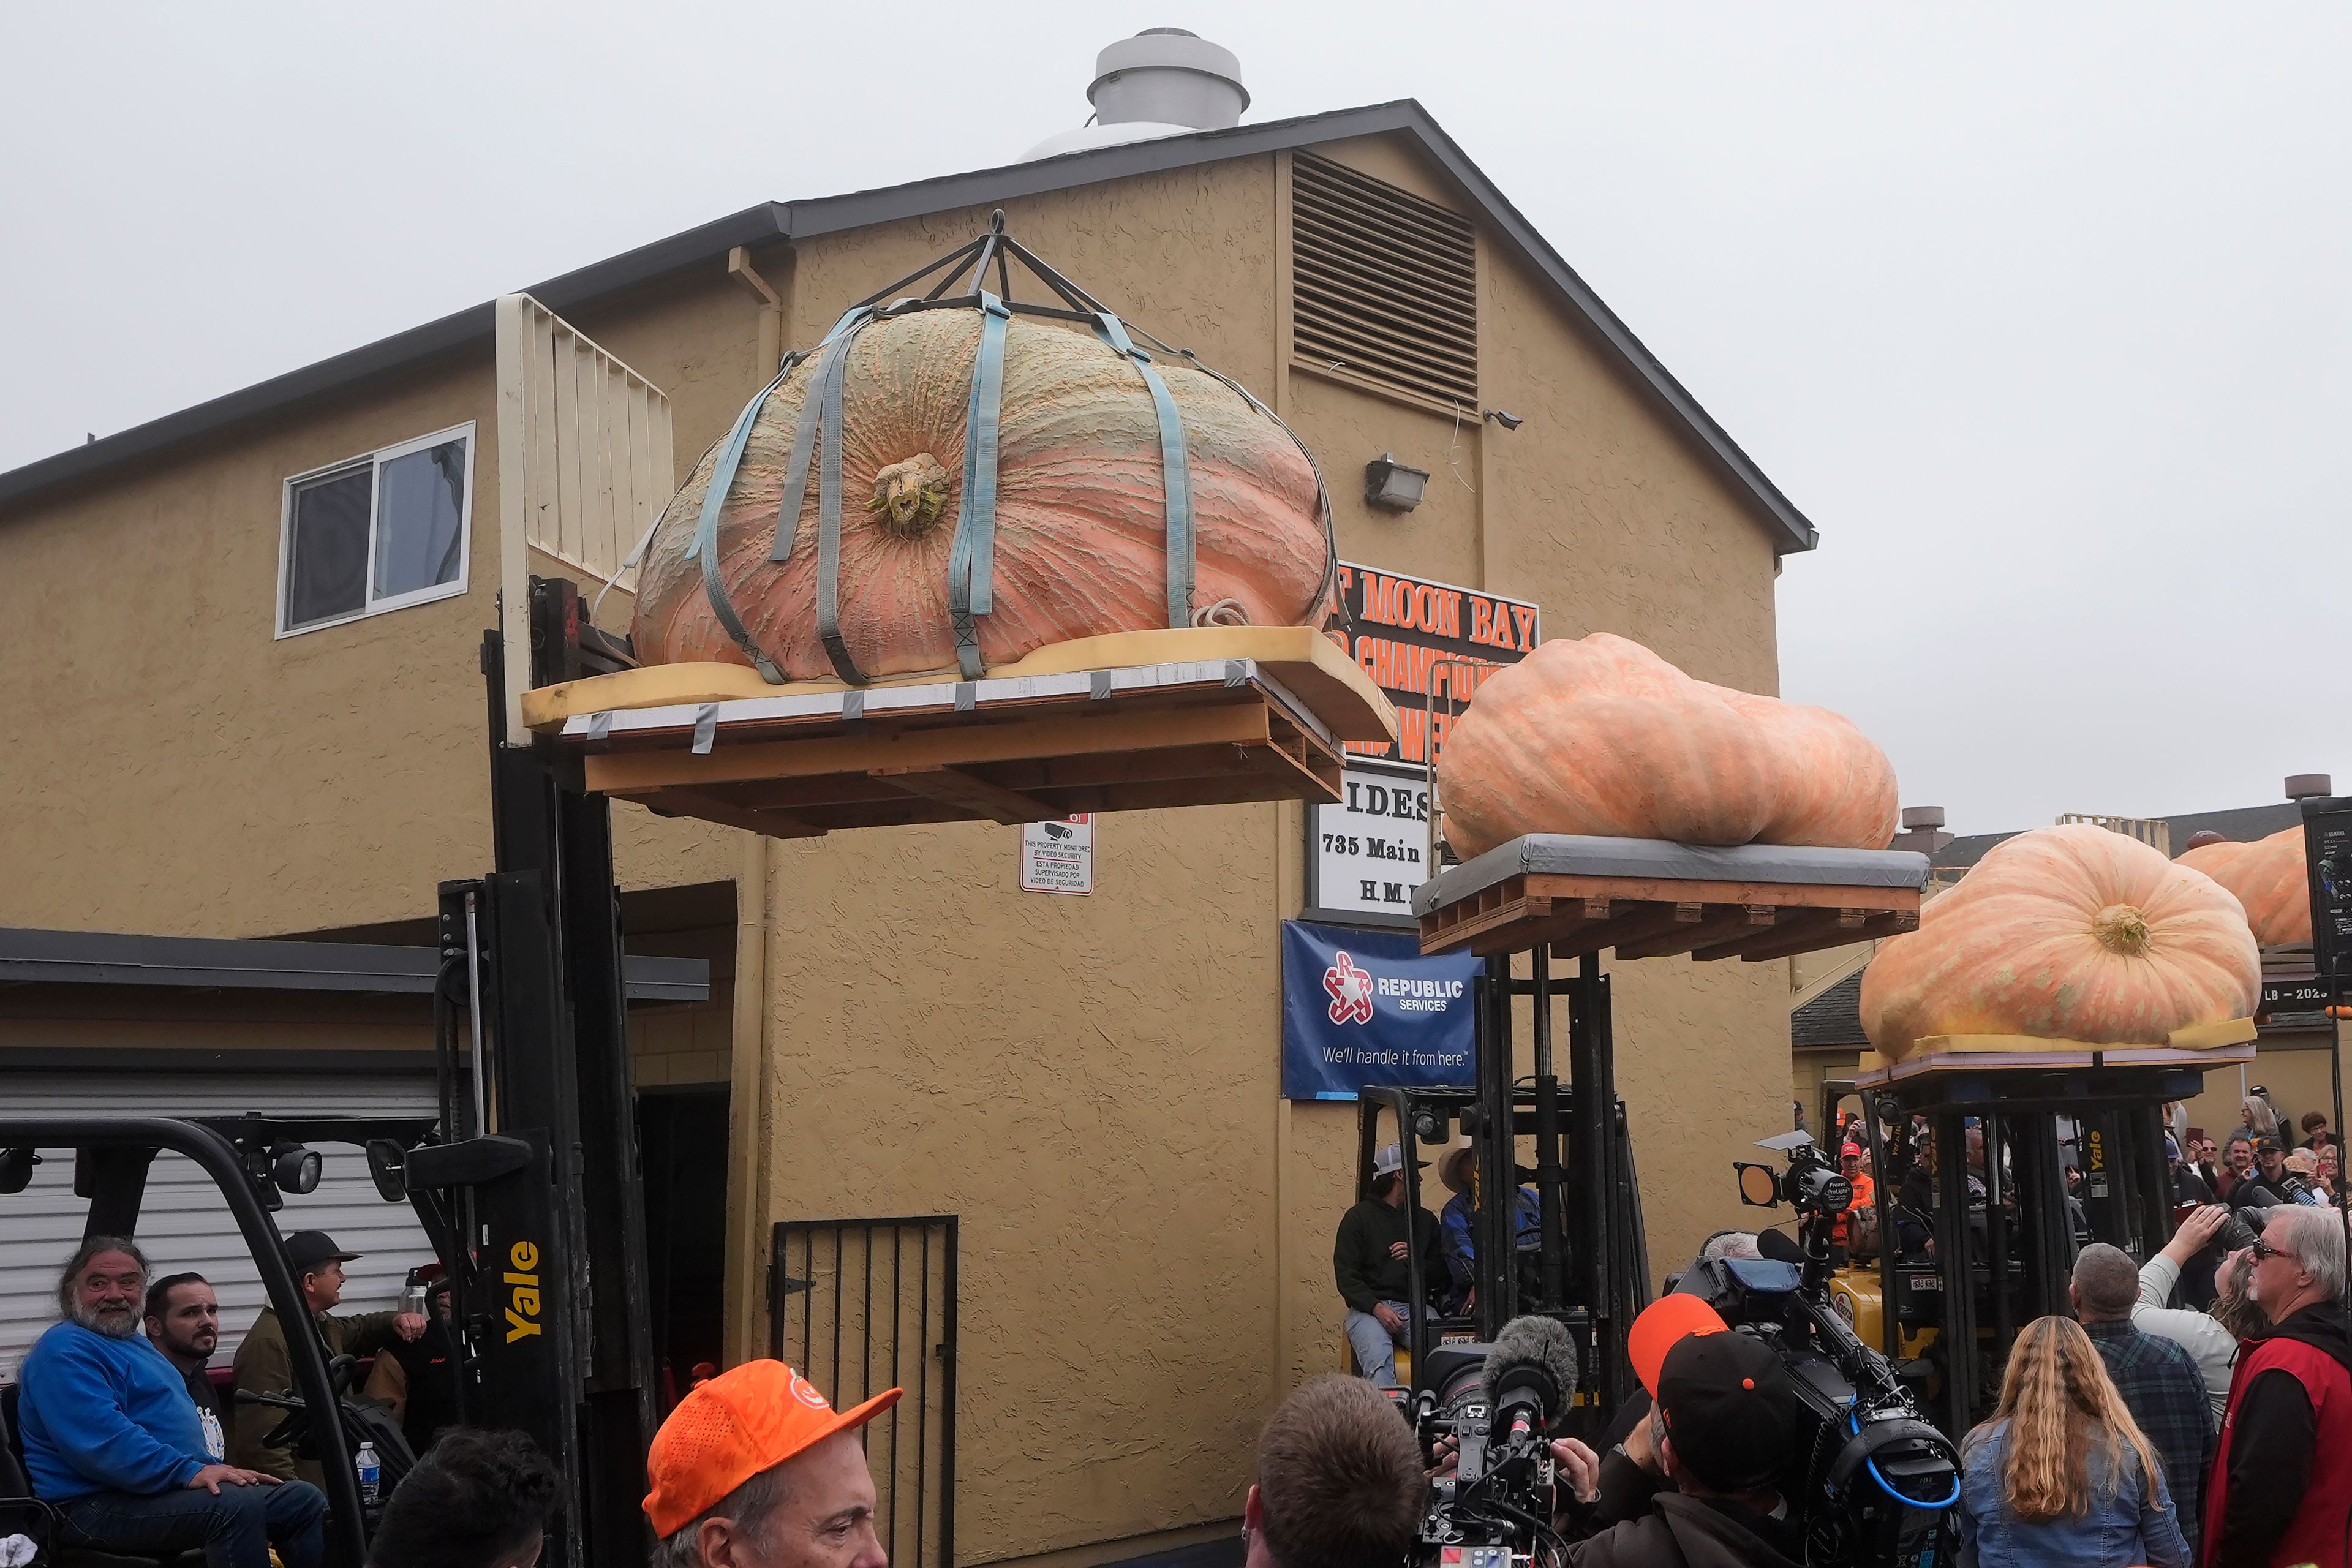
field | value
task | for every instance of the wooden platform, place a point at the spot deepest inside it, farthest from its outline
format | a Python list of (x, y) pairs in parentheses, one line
[(1658, 916), (2204, 1047), (1030, 744)]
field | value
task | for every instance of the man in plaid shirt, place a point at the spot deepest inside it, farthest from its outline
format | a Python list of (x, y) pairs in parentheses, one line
[(2160, 1380)]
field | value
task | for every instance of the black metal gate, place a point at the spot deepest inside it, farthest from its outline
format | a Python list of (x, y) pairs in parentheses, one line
[(862, 1305)]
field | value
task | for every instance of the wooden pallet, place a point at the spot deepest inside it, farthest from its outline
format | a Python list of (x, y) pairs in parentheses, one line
[(799, 761), (1658, 916), (2205, 1046)]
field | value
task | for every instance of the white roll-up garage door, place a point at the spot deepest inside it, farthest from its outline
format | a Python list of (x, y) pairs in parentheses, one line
[(183, 1224)]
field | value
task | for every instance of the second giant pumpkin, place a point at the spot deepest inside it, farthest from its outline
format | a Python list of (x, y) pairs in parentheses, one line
[(1081, 534), (1599, 735), (2269, 877)]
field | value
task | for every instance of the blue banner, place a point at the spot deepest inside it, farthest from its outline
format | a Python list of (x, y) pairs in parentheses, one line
[(1363, 1008)]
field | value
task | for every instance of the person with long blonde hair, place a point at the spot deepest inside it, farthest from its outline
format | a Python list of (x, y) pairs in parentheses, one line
[(2060, 1475)]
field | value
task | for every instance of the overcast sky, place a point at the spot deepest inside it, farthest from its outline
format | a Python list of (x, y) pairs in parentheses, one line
[(2038, 312)]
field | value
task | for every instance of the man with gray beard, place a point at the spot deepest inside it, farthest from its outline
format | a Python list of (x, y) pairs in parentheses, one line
[(114, 1441)]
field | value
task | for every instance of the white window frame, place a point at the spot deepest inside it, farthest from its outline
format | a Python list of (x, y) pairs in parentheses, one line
[(374, 462)]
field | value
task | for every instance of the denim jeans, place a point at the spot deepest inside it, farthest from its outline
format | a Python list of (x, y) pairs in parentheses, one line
[(234, 1530), (1375, 1347)]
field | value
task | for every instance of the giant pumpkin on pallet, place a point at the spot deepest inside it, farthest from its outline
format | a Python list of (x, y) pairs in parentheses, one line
[(2270, 877), (2072, 933), (1600, 736), (1080, 525)]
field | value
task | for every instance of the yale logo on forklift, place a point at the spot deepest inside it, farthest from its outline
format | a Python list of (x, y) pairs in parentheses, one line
[(523, 1311)]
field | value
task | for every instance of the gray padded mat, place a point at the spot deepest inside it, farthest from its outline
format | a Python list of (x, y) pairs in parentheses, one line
[(1564, 855)]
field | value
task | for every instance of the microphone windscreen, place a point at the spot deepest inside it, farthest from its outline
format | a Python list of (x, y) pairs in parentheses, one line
[(1534, 1342), (1776, 1247)]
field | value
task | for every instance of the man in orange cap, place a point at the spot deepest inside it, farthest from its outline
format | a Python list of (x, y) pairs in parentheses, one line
[(755, 1470), (1699, 1487)]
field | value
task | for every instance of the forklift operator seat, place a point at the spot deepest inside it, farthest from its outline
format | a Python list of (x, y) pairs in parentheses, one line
[(22, 1513)]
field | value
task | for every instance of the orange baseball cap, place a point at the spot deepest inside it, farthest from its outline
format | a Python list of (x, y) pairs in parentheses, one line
[(748, 1420), (1665, 1323)]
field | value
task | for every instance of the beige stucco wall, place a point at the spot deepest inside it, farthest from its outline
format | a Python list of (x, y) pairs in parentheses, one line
[(1090, 1083), (2298, 1070)]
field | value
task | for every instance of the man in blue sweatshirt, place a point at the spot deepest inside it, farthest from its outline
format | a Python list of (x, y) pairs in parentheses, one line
[(112, 1439)]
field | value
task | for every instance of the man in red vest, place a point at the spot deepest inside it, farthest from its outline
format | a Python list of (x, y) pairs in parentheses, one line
[(2281, 1492)]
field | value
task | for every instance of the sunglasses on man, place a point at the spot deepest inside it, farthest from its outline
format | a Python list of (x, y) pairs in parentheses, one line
[(2264, 1249)]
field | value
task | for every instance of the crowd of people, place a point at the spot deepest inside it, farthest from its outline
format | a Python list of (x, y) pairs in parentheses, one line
[(2143, 1427)]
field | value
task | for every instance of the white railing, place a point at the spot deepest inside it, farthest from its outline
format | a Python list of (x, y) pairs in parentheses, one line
[(2151, 831), (584, 461)]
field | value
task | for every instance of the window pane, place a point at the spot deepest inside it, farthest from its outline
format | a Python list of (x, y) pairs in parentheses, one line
[(327, 574), (417, 529)]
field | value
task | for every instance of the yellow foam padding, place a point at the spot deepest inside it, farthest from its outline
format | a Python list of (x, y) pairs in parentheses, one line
[(1309, 664), (2195, 1038)]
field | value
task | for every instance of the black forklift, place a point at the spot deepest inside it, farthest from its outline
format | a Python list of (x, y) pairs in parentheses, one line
[(2027, 1164), (1587, 1265)]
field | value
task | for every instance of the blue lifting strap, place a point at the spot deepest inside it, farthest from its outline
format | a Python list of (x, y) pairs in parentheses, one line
[(972, 558), (788, 505), (1176, 475), (828, 387), (705, 547)]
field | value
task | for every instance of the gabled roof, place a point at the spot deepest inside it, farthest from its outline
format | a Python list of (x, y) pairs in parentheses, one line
[(778, 221), (1831, 1020), (2242, 823)]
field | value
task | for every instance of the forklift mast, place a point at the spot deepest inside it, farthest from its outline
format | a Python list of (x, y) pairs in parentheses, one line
[(553, 1279)]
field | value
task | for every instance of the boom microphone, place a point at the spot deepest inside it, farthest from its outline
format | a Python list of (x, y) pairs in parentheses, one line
[(1779, 1248), (1531, 1373)]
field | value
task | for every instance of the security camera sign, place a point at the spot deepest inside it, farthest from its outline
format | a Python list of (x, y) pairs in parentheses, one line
[(1058, 857)]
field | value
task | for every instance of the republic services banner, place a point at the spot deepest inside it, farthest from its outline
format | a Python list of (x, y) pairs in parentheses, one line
[(1363, 1008)]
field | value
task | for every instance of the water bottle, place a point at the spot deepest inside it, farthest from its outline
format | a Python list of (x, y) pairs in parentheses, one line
[(371, 1472)]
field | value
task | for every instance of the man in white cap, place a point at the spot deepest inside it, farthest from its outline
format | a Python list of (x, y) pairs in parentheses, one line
[(1372, 1262)]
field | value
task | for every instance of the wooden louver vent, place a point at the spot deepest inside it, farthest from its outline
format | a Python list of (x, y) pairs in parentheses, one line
[(1383, 286)]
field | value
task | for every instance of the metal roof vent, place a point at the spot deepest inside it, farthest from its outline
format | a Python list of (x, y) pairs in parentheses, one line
[(1164, 82)]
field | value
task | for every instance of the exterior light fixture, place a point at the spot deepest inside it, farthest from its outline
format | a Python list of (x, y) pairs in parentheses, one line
[(1392, 486), (1505, 418)]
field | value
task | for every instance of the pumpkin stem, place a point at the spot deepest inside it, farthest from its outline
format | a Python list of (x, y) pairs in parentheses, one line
[(2121, 928), (910, 497)]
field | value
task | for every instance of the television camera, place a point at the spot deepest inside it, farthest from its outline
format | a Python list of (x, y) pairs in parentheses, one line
[(1874, 1483), (1497, 1403)]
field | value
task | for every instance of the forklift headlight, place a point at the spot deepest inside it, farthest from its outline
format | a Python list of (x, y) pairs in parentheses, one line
[(296, 1169)]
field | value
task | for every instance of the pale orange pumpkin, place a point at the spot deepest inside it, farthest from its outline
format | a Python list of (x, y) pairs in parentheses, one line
[(1080, 519), (1599, 735), (2071, 932), (2270, 878)]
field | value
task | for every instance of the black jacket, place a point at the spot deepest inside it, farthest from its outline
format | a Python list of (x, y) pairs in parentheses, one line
[(1360, 1263), (1638, 1521), (1692, 1532)]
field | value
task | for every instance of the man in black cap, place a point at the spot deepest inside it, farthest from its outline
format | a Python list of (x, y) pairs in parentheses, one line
[(1724, 1429), (2273, 1183), (264, 1367)]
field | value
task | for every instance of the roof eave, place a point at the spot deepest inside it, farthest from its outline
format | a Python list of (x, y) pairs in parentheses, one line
[(773, 221)]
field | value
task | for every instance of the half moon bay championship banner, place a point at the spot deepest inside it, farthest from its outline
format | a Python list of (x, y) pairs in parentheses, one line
[(1362, 1008)]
